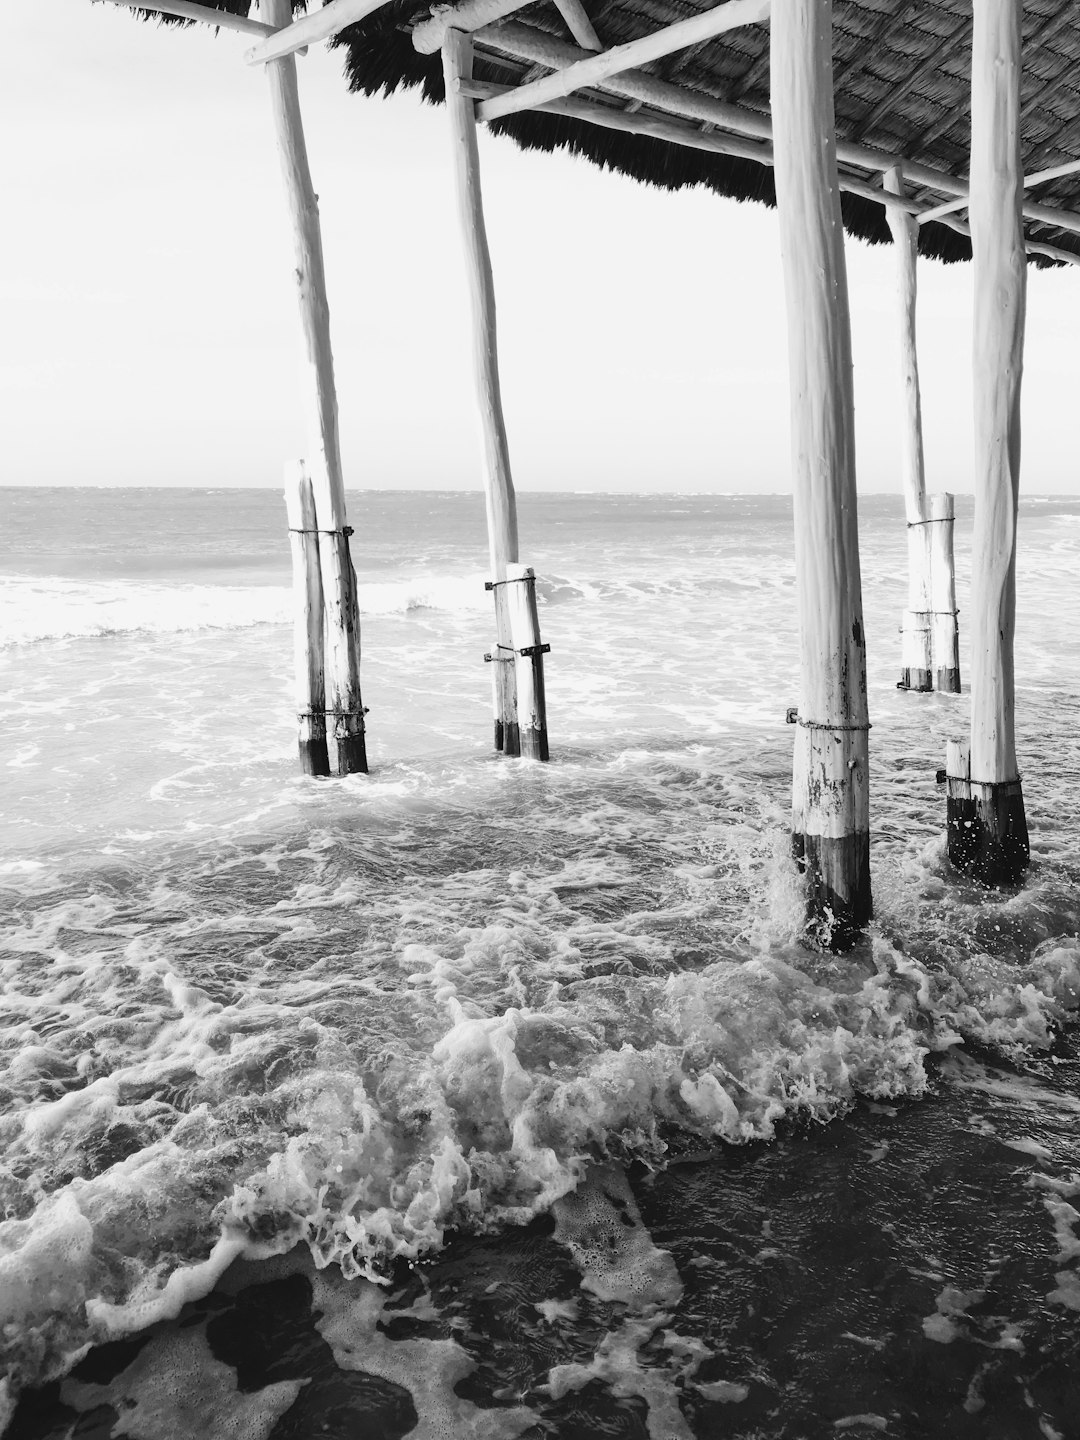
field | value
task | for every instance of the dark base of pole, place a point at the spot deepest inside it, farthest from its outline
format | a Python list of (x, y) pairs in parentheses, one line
[(948, 680), (352, 754), (838, 886), (314, 757), (534, 744), (920, 680), (498, 734), (987, 830), (511, 737)]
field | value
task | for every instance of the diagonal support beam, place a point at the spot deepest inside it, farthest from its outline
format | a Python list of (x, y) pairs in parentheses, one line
[(730, 16), (311, 28), (579, 24), (186, 10)]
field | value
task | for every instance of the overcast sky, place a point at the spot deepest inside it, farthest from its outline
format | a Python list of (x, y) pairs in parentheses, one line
[(149, 323)]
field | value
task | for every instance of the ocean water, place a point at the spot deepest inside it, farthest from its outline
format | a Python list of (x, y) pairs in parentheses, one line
[(478, 1098)]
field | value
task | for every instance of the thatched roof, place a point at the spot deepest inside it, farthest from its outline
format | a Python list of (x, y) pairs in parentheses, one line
[(901, 71)]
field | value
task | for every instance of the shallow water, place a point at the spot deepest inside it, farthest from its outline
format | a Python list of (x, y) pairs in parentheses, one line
[(246, 1012)]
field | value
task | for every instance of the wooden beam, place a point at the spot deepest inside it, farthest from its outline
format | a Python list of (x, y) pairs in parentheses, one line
[(717, 142), (579, 24), (345, 739), (185, 10), (428, 36), (830, 788), (987, 826), (916, 655), (1041, 177), (311, 28), (499, 496), (596, 68), (525, 43)]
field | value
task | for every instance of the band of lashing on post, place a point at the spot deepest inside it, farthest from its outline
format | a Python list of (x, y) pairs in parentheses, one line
[(345, 530), (526, 650), (934, 520), (794, 718), (334, 714)]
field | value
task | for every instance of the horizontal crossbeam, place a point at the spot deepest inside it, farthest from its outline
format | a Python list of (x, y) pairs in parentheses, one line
[(596, 68)]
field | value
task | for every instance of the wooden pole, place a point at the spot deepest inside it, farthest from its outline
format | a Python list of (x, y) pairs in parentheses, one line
[(308, 621), (529, 661), (987, 827), (831, 808), (915, 659), (943, 595), (346, 739), (498, 482)]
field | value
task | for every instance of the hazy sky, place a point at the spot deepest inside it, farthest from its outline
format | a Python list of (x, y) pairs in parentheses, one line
[(149, 323)]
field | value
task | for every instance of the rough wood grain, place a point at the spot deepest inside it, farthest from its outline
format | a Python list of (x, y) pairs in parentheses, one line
[(525, 627), (346, 733), (500, 499), (308, 621), (830, 793), (1000, 277), (946, 638)]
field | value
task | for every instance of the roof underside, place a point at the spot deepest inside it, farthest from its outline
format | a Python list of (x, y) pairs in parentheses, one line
[(902, 88)]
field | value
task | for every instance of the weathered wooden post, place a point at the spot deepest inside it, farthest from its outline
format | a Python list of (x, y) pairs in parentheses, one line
[(346, 741), (529, 653), (308, 621), (943, 594), (830, 810), (915, 663), (457, 50), (987, 826)]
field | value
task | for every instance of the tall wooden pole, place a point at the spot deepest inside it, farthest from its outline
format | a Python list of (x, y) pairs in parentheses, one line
[(343, 703), (499, 494), (915, 659), (830, 809), (987, 826)]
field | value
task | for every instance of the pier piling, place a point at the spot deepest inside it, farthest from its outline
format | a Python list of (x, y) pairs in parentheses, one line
[(830, 792), (989, 839)]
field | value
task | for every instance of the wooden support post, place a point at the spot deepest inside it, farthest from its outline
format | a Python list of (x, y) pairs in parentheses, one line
[(529, 661), (346, 740), (943, 595), (498, 482), (831, 808), (993, 847), (915, 658), (307, 621)]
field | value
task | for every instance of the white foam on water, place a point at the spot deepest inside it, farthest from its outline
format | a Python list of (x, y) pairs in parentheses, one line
[(427, 1369), (175, 1389)]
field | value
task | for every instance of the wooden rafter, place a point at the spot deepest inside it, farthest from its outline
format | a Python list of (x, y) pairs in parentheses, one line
[(185, 10), (715, 142), (937, 55), (523, 42), (597, 68), (469, 15), (311, 28), (579, 24)]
